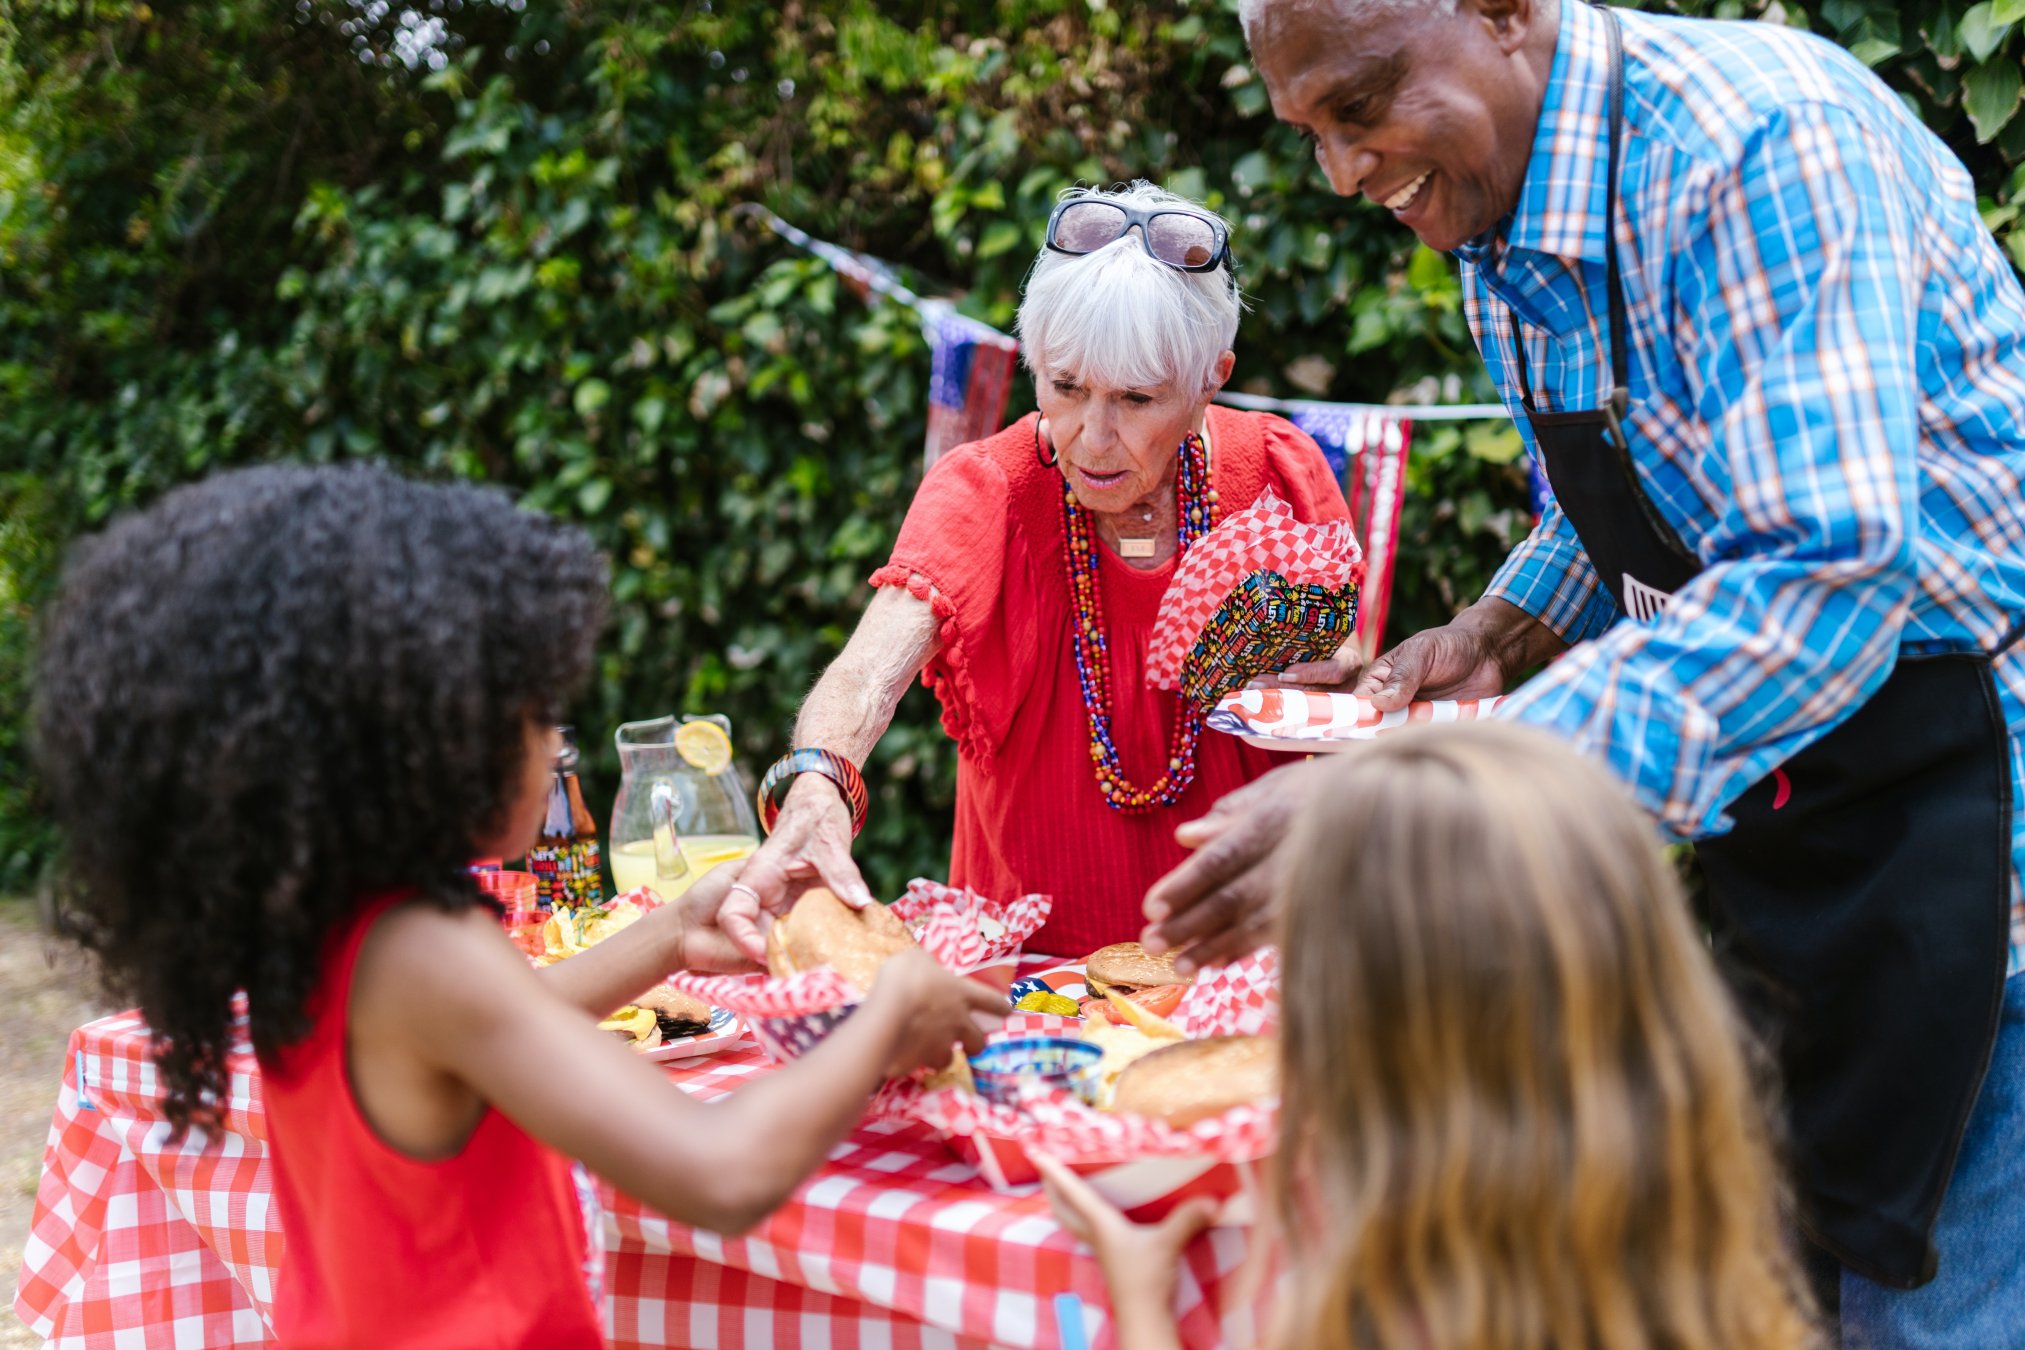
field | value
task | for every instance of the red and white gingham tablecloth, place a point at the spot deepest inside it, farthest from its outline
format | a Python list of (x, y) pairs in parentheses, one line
[(138, 1243)]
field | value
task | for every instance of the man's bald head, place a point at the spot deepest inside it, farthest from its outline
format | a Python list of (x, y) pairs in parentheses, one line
[(1425, 106)]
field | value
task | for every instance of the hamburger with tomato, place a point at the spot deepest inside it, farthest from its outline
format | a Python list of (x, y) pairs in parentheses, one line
[(1130, 971)]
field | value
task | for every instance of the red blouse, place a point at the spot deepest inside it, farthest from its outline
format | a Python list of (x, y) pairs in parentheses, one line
[(985, 531)]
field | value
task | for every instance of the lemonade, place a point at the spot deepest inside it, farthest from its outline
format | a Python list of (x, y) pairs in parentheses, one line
[(633, 863)]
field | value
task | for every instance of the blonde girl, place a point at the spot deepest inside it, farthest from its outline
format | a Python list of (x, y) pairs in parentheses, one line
[(1516, 1110)]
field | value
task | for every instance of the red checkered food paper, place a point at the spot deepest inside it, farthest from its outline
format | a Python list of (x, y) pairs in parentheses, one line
[(959, 928), (1264, 537), (965, 931), (1240, 999)]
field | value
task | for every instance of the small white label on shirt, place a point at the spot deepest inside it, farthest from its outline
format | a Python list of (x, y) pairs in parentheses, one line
[(1642, 602)]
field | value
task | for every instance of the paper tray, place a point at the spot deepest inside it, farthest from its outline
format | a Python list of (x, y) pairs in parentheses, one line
[(1312, 722), (1143, 1166)]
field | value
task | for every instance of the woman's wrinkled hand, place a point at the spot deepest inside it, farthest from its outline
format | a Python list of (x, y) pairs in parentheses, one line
[(811, 841)]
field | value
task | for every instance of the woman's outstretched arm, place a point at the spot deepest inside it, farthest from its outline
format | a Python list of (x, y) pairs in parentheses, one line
[(846, 713)]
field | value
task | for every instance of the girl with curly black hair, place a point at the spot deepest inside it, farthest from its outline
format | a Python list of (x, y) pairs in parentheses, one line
[(278, 713)]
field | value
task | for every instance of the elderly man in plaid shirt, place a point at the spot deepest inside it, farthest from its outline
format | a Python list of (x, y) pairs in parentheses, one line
[(1742, 306)]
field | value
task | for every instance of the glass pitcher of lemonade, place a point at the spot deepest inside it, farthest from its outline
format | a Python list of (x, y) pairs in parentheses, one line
[(682, 807)]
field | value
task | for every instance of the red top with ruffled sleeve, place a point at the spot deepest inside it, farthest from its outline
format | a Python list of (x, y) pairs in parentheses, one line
[(984, 543)]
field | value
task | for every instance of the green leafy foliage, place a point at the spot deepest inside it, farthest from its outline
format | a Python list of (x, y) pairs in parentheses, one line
[(498, 241)]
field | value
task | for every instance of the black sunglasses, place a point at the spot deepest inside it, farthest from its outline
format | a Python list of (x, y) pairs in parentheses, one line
[(1186, 240)]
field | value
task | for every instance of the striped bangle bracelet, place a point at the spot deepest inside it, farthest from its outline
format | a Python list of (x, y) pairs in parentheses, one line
[(773, 788)]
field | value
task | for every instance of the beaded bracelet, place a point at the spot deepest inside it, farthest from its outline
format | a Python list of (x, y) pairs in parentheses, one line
[(773, 788)]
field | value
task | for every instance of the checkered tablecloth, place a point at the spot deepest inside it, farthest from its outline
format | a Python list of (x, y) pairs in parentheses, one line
[(140, 1243)]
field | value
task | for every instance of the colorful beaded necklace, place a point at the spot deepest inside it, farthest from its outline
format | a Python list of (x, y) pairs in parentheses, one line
[(1198, 513)]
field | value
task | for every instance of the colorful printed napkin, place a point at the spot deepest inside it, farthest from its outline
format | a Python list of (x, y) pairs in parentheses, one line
[(1260, 592)]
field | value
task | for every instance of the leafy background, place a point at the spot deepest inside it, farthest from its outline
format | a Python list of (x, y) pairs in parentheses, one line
[(497, 241)]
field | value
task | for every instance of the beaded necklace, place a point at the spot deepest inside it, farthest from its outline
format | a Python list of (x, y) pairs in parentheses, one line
[(1198, 513)]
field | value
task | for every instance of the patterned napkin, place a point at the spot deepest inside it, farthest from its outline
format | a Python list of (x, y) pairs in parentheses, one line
[(1260, 592)]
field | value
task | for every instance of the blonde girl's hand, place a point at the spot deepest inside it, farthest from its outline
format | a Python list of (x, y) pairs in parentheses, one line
[(1141, 1261)]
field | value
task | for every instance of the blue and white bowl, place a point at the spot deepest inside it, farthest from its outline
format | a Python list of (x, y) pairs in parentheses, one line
[(1006, 1070)]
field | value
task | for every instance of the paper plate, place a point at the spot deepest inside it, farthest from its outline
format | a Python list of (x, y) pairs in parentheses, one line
[(1311, 721), (725, 1031)]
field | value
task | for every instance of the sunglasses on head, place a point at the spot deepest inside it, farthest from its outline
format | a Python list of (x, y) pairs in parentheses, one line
[(1183, 239)]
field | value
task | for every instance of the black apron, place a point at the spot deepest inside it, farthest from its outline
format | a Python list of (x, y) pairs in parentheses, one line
[(1861, 904)]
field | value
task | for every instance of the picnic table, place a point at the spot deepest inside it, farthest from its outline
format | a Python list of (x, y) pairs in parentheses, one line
[(139, 1242)]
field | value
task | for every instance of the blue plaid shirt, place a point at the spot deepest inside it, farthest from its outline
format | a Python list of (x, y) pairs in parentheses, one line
[(1827, 396)]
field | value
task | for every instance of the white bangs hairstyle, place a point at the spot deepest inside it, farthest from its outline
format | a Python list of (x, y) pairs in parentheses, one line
[(1122, 318)]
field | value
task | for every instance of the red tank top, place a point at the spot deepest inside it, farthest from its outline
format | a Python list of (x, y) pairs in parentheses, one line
[(487, 1248)]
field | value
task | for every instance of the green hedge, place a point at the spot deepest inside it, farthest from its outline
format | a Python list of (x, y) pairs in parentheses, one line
[(237, 231)]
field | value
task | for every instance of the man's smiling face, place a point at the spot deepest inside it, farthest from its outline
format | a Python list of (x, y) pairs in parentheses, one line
[(1429, 114)]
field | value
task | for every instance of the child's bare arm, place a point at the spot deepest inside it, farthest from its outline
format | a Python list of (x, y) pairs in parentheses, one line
[(453, 996)]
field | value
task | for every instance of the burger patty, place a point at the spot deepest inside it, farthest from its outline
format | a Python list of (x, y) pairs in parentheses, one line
[(671, 1026)]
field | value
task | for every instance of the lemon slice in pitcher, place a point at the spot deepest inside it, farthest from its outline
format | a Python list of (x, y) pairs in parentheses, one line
[(704, 745)]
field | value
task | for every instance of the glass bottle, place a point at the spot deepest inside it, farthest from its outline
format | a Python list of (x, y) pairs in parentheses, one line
[(564, 858)]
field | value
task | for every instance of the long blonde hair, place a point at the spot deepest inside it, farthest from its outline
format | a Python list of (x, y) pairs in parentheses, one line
[(1517, 1109)]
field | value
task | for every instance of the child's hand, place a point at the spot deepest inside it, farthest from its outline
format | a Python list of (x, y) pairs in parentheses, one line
[(932, 1010), (703, 943), (1140, 1260)]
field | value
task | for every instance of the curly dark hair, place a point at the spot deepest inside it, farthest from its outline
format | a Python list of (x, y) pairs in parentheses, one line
[(274, 695)]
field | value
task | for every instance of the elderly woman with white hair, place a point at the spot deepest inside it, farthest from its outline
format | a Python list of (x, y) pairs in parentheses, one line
[(1027, 577)]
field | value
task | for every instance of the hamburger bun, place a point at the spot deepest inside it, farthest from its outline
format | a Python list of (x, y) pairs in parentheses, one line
[(1126, 966), (822, 930), (1187, 1081)]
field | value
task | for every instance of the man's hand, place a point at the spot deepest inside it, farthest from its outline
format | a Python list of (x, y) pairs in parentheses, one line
[(1218, 905), (1336, 671), (1476, 655), (811, 841)]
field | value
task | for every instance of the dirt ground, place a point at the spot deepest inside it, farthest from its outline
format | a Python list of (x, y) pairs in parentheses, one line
[(46, 989)]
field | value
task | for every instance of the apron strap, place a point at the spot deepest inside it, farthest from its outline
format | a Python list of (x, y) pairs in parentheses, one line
[(1620, 360), (2010, 638)]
